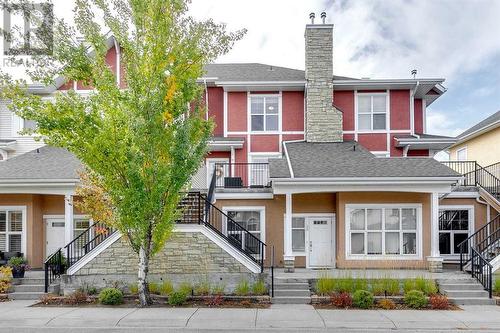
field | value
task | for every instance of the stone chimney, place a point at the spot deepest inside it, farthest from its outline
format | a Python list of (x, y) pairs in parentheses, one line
[(323, 120)]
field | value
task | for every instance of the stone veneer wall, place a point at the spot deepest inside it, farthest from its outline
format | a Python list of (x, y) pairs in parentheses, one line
[(187, 257), (323, 120)]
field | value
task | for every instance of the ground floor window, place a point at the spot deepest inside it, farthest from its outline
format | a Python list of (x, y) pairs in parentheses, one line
[(251, 219), (11, 229), (298, 234), (383, 230), (454, 228)]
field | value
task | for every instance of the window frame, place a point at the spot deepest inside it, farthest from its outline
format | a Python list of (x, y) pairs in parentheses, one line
[(249, 113), (470, 230), (371, 113), (296, 252), (418, 231), (260, 209), (22, 233), (463, 149)]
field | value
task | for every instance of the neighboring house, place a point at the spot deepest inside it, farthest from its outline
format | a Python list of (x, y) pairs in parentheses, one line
[(328, 171), (480, 143)]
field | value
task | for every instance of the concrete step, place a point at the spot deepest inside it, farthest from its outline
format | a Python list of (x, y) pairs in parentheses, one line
[(291, 292), (30, 281), (295, 286), (472, 301), (29, 288), (461, 286), (290, 280), (468, 280), (26, 295), (291, 300), (466, 293)]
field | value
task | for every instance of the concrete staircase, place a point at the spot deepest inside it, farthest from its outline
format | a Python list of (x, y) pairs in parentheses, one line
[(291, 291), (465, 291), (31, 287)]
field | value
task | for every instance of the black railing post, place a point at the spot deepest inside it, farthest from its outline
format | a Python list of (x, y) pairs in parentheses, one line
[(490, 281), (272, 271), (46, 277)]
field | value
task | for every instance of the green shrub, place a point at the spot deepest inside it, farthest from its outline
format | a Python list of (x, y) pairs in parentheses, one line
[(133, 288), (218, 289), (243, 288), (259, 288), (177, 298), (385, 286), (154, 288), (362, 299), (325, 286), (202, 288), (427, 286), (186, 288), (415, 299), (166, 288), (111, 296), (496, 286)]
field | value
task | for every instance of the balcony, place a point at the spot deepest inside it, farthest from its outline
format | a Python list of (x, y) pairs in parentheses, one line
[(241, 176)]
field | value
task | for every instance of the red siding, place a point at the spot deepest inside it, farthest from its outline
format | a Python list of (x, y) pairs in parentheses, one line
[(265, 143), (240, 155), (348, 137), (373, 142), (216, 109), (66, 86), (237, 111), (400, 109), (219, 154), (395, 151), (344, 100), (419, 116), (289, 137), (293, 110), (419, 152)]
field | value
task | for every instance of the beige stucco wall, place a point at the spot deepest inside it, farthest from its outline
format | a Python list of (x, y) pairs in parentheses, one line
[(485, 148)]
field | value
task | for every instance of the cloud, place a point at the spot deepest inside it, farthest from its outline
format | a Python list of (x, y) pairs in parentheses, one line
[(443, 124)]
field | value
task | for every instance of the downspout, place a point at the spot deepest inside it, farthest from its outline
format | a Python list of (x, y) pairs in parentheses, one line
[(118, 62), (412, 108), (206, 97)]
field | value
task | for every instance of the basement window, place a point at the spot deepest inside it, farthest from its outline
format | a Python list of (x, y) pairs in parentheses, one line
[(372, 111)]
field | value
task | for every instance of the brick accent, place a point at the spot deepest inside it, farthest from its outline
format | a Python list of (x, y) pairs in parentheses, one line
[(323, 120), (184, 253)]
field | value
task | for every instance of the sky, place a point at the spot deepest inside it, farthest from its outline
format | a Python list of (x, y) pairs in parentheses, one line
[(457, 40)]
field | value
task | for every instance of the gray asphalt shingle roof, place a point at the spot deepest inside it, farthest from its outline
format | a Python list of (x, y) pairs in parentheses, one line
[(256, 72), (350, 159), (44, 163), (484, 123)]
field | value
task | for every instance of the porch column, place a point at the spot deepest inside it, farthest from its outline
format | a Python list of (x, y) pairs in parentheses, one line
[(68, 218), (232, 161), (435, 260), (288, 258)]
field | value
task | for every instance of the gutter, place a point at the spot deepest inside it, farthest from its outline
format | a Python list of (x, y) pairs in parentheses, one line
[(364, 180)]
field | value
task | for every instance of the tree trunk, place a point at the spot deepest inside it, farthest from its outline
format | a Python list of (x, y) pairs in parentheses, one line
[(142, 277)]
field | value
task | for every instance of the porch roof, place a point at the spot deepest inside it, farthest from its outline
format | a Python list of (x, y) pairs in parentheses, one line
[(45, 163), (349, 159)]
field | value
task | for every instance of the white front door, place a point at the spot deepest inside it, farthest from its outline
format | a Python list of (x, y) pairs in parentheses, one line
[(54, 235), (320, 249)]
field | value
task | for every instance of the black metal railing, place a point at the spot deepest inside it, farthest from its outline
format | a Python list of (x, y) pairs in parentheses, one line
[(488, 182), (485, 239), (465, 168), (86, 241), (494, 169), (242, 175), (482, 270), (54, 266), (197, 209)]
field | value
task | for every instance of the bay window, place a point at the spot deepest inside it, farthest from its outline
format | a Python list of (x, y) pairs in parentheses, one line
[(264, 113), (11, 229), (454, 226), (382, 230), (372, 111)]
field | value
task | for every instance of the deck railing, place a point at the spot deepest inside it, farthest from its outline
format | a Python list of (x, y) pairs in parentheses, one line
[(242, 175)]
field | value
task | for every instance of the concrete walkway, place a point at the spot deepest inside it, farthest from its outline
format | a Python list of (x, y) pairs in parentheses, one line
[(17, 316)]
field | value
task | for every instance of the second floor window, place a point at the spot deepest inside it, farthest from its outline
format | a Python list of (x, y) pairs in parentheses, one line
[(372, 112), (264, 113)]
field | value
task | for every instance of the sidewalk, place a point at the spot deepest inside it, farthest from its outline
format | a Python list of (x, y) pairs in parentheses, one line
[(16, 316)]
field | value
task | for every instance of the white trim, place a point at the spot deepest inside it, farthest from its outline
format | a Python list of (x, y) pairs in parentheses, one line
[(217, 239), (224, 113), (470, 230), (260, 209), (356, 115), (287, 227), (435, 225), (243, 195), (404, 131), (388, 120), (424, 115), (381, 153), (356, 112), (419, 236), (24, 223), (478, 132), (214, 159), (68, 219), (61, 216), (249, 113), (265, 133), (462, 194), (3, 154)]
